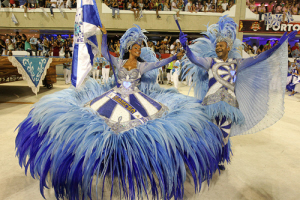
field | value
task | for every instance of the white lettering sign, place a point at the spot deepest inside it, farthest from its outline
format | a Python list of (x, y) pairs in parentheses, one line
[(283, 27)]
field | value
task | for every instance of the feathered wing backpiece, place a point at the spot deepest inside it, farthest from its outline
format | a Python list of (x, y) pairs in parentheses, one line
[(224, 30), (132, 36), (260, 90)]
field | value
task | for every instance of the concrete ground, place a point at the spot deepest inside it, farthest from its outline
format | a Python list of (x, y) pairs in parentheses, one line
[(265, 165)]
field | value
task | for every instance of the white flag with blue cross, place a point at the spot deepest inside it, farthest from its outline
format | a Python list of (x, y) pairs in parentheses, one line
[(268, 18), (277, 19), (85, 45), (289, 17)]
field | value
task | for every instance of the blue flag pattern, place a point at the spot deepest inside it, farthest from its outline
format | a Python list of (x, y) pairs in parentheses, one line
[(277, 19), (289, 17), (87, 21)]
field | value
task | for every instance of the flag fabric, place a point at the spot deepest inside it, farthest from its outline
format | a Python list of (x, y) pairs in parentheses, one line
[(268, 18), (277, 19), (289, 17), (85, 45), (141, 14)]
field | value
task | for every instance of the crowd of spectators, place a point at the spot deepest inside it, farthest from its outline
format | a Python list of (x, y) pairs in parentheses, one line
[(40, 46), (293, 52), (165, 46), (56, 45), (136, 6), (38, 3), (275, 7), (193, 6), (32, 4)]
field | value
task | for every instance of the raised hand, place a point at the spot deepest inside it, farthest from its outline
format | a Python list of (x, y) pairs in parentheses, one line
[(103, 29), (183, 40), (291, 35)]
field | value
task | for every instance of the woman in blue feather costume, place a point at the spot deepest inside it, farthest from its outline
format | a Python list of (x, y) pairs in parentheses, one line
[(240, 96), (132, 134)]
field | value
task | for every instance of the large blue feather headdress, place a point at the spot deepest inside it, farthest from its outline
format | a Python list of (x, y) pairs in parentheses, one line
[(132, 36), (223, 31)]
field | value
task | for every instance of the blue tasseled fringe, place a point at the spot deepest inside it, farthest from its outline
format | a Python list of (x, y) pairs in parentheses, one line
[(226, 152), (222, 109)]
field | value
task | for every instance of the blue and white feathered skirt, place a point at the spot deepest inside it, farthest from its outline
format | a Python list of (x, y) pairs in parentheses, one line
[(67, 145)]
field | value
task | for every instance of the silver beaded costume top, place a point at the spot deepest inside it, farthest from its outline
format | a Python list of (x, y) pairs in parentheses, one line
[(222, 77)]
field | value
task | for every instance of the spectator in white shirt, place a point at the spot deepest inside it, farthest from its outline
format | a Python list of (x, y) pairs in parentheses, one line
[(208, 5), (174, 8), (141, 4), (224, 5), (105, 70), (254, 48), (204, 8), (53, 5), (188, 6), (176, 73), (69, 4), (60, 3), (172, 48)]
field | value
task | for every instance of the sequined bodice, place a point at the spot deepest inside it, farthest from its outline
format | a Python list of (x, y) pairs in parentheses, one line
[(131, 75), (125, 106), (128, 80), (222, 77)]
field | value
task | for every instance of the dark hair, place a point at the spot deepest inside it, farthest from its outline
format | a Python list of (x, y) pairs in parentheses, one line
[(126, 56)]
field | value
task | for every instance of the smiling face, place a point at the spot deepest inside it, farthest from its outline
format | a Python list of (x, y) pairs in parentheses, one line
[(135, 51), (222, 50)]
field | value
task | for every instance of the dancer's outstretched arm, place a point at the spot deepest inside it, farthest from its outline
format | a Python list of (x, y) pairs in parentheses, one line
[(104, 49), (204, 63), (147, 66)]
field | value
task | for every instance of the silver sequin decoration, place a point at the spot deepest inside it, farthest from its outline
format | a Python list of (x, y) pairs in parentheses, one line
[(220, 95)]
